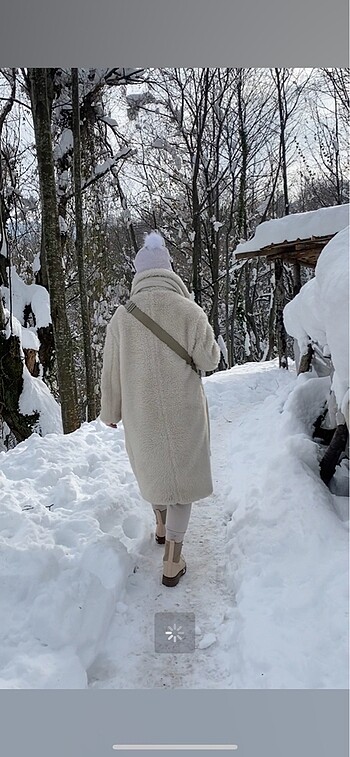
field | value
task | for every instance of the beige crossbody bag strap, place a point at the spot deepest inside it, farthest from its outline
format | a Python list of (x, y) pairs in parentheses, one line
[(160, 333)]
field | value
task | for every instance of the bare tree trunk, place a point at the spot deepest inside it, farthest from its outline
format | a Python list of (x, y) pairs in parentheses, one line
[(331, 457), (281, 94), (248, 355), (242, 211), (124, 204), (305, 360), (79, 245), (296, 278), (51, 235), (234, 312), (242, 227), (197, 244), (281, 334), (337, 161), (280, 302), (227, 304), (271, 326), (45, 333), (228, 262)]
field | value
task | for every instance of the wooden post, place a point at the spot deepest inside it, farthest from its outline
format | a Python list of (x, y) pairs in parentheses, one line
[(281, 332), (331, 457), (305, 361)]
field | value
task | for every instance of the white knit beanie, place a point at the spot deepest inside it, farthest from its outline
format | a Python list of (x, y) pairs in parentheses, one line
[(153, 254)]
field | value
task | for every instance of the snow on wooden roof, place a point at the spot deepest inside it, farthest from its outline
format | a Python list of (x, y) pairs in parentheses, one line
[(299, 237)]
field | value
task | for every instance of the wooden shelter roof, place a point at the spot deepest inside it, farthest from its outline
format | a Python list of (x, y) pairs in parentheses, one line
[(304, 251)]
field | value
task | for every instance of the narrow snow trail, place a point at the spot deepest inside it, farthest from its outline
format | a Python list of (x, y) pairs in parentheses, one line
[(129, 659)]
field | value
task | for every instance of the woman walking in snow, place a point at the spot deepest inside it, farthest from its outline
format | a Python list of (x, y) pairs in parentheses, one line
[(152, 387)]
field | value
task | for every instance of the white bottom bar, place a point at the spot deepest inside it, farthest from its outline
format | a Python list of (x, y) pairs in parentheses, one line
[(173, 747)]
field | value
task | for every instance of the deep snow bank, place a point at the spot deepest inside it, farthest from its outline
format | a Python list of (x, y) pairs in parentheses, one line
[(287, 535), (320, 312), (62, 569)]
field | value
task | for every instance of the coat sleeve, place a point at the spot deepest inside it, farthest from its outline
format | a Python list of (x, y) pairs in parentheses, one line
[(206, 351), (111, 406)]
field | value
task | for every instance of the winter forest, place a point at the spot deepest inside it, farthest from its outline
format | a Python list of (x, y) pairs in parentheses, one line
[(91, 159), (224, 163)]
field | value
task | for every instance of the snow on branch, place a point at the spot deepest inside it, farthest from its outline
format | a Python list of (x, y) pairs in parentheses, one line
[(124, 76), (101, 169)]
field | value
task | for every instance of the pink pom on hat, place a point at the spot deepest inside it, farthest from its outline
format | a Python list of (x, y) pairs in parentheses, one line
[(153, 254)]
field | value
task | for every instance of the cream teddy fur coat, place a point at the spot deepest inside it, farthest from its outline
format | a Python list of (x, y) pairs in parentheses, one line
[(159, 398)]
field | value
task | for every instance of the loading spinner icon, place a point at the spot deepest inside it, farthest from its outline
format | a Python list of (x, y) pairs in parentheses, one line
[(174, 633)]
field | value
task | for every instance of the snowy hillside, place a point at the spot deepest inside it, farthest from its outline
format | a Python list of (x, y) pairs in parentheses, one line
[(80, 574)]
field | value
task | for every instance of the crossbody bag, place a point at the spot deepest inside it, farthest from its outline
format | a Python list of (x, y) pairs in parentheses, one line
[(160, 333)]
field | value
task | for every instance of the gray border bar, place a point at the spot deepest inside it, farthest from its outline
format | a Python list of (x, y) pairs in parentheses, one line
[(284, 723), (167, 33)]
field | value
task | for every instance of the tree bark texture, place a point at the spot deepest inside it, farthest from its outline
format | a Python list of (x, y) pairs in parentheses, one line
[(305, 360), (280, 302), (331, 457), (197, 244), (283, 115), (79, 246), (39, 79)]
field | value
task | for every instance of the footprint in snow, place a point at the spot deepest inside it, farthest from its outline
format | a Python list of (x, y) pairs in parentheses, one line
[(132, 527), (208, 640)]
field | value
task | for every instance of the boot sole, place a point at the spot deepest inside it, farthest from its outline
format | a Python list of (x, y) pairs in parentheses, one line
[(173, 581)]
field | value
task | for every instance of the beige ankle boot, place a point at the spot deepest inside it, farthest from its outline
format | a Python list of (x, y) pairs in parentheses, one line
[(160, 529), (174, 565)]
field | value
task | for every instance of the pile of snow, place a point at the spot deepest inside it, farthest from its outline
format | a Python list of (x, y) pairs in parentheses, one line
[(286, 542), (62, 569), (27, 294), (267, 554), (65, 144), (320, 313), (36, 396), (29, 339), (315, 223), (27, 336)]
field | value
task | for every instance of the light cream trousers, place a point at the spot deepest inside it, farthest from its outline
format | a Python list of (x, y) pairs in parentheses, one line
[(177, 519)]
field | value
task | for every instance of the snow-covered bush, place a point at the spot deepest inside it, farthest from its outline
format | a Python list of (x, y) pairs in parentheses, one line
[(28, 405), (319, 316)]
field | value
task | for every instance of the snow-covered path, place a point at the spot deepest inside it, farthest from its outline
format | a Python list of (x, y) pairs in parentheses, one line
[(229, 544), (208, 590), (129, 659), (267, 554)]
